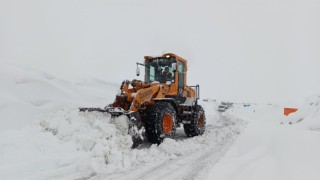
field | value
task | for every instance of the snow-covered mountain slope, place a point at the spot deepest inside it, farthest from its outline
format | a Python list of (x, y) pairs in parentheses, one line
[(26, 93)]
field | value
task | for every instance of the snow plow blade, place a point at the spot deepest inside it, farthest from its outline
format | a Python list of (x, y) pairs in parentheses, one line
[(114, 112), (134, 124)]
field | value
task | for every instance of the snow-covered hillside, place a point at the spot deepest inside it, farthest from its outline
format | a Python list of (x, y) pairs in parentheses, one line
[(26, 93)]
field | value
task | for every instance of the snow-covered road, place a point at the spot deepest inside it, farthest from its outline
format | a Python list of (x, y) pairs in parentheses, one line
[(272, 147), (191, 165)]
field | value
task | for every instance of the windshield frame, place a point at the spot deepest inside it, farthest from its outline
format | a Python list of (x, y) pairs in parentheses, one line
[(154, 68)]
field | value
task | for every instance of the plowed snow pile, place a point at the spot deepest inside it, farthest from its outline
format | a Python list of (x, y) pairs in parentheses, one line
[(71, 145), (31, 147)]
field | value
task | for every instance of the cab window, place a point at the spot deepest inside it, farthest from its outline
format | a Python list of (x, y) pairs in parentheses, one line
[(159, 69), (181, 72)]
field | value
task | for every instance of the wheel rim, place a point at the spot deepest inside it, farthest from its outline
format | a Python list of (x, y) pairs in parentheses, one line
[(201, 121), (167, 123)]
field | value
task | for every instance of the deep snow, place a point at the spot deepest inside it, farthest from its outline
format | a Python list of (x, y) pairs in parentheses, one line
[(272, 148), (43, 136), (26, 93)]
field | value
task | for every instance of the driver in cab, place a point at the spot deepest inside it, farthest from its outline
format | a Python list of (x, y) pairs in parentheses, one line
[(166, 75)]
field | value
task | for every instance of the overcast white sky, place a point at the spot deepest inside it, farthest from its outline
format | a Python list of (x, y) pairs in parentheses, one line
[(244, 51)]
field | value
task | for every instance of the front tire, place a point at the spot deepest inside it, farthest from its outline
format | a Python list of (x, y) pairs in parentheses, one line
[(161, 122), (198, 124)]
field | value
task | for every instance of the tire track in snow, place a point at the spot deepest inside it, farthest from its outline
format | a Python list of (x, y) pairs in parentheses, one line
[(189, 166)]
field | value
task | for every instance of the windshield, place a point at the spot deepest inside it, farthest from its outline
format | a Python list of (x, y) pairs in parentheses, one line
[(160, 69)]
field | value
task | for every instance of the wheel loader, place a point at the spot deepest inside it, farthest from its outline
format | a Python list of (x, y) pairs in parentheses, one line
[(160, 103)]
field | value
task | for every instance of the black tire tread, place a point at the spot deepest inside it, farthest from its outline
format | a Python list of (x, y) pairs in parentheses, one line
[(153, 126), (192, 129)]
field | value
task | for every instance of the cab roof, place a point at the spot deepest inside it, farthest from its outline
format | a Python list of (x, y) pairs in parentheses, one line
[(147, 58), (168, 55)]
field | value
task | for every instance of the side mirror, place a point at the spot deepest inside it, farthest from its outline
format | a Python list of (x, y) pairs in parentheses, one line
[(174, 66), (138, 71)]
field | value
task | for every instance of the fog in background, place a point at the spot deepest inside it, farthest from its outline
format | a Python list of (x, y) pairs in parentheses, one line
[(243, 51)]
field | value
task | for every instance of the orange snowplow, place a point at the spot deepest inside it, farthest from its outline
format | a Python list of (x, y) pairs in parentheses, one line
[(160, 103)]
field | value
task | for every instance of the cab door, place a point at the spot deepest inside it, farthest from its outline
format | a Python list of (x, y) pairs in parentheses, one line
[(181, 78)]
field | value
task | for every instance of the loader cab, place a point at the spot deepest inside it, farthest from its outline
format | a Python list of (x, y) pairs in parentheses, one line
[(161, 69), (156, 66)]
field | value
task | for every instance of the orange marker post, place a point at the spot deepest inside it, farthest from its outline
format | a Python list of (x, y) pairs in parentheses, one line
[(288, 111)]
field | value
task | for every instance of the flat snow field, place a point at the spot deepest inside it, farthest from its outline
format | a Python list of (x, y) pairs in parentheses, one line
[(43, 136)]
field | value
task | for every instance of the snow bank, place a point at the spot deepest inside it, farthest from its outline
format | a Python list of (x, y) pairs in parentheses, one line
[(269, 150), (26, 93), (32, 154), (68, 145), (307, 116), (210, 108), (42, 145), (104, 139), (65, 145), (266, 151)]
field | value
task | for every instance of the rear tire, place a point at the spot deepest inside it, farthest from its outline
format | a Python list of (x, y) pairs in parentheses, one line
[(198, 124), (160, 122)]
